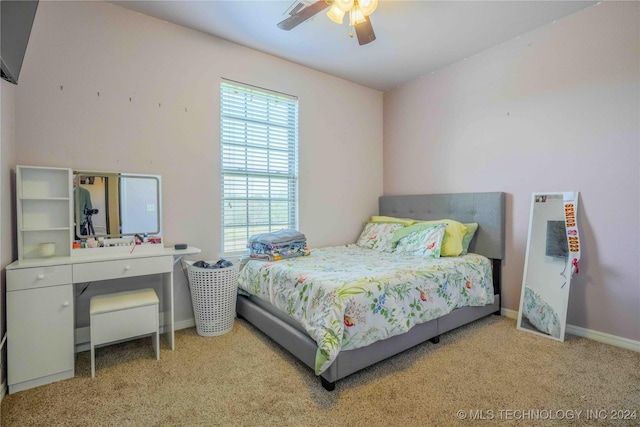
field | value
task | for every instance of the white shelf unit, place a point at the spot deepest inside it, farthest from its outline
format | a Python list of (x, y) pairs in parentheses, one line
[(44, 208)]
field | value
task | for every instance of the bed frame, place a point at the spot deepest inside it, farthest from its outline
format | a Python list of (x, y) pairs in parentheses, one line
[(487, 209)]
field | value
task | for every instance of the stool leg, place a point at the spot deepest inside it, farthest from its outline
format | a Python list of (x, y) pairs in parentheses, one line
[(93, 361), (93, 347), (156, 336), (156, 344)]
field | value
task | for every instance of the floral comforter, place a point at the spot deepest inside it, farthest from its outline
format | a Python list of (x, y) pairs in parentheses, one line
[(347, 297)]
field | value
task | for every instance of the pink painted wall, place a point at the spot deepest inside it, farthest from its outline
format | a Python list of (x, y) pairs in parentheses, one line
[(171, 125), (556, 109), (7, 160)]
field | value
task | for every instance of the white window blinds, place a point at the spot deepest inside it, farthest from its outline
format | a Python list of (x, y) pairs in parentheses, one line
[(259, 150)]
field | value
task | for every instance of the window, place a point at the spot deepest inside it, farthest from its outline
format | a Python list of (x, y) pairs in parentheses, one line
[(259, 151)]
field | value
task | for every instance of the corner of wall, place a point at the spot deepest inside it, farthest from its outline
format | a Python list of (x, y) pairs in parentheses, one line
[(7, 163)]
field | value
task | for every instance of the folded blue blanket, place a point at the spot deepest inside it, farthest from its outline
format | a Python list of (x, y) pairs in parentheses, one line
[(278, 257), (261, 248), (282, 237)]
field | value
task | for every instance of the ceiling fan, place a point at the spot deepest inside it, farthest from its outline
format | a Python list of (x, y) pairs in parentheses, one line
[(359, 11)]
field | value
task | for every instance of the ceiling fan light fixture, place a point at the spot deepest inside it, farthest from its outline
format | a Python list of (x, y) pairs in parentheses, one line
[(356, 16), (344, 5), (358, 10), (368, 6), (336, 14)]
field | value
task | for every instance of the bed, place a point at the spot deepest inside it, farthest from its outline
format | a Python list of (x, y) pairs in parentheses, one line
[(485, 209)]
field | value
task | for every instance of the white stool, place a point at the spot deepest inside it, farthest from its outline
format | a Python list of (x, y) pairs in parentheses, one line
[(122, 316)]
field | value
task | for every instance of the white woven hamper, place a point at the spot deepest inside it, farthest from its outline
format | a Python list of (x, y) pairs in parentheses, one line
[(213, 295)]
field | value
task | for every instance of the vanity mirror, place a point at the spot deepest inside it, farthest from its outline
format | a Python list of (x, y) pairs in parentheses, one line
[(114, 205), (553, 252)]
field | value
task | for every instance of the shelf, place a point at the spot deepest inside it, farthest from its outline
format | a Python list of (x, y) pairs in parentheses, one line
[(44, 209), (46, 229), (43, 183), (45, 199)]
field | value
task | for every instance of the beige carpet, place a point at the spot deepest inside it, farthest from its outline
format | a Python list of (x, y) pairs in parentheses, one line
[(487, 369)]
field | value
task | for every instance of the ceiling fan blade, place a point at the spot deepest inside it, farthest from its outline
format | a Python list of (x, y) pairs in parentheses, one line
[(365, 33), (306, 13)]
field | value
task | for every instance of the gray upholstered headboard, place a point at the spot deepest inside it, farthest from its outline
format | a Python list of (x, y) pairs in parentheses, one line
[(487, 209)]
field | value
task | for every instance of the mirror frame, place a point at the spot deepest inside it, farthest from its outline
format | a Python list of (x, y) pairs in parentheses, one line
[(78, 174), (568, 213)]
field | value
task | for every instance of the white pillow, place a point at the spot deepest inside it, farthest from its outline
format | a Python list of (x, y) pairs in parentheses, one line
[(426, 242), (378, 235)]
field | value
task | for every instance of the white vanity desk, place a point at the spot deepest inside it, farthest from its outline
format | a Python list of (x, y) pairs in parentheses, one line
[(41, 331)]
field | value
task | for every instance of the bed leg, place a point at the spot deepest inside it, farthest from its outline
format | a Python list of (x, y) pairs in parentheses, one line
[(435, 339), (329, 386)]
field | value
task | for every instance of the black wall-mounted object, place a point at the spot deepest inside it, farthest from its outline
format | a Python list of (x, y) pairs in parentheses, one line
[(16, 20)]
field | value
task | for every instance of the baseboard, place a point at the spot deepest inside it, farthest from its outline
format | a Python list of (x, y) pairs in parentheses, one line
[(3, 391), (588, 333), (603, 338), (83, 334), (511, 314), (184, 324)]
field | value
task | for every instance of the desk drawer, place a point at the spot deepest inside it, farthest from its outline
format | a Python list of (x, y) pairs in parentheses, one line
[(119, 269), (38, 277)]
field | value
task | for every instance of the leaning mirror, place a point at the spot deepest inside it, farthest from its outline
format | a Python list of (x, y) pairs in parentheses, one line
[(552, 255), (113, 205)]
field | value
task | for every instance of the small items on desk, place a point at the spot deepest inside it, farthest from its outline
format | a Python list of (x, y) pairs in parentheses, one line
[(101, 242), (92, 243)]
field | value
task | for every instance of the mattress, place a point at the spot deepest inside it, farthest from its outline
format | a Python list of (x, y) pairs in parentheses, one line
[(347, 297)]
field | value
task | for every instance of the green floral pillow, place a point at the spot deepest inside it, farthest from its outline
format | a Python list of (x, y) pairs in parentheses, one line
[(426, 242), (378, 235), (453, 234)]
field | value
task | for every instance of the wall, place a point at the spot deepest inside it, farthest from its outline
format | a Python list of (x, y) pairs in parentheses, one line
[(107, 89), (553, 110), (8, 247)]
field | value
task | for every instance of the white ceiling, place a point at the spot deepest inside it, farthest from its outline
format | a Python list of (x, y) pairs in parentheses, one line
[(413, 37)]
